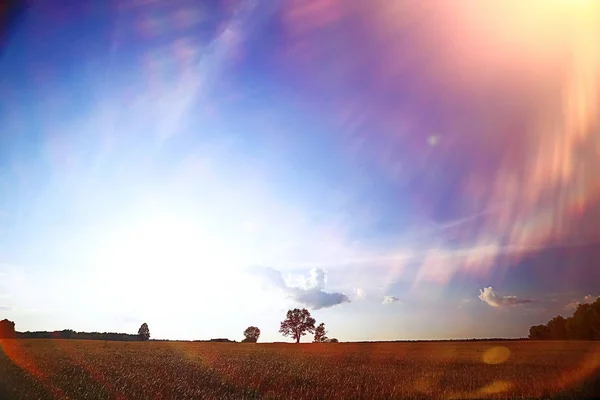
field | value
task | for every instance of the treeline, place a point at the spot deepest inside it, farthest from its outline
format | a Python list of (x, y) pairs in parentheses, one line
[(583, 325), (298, 323), (71, 334), (7, 331)]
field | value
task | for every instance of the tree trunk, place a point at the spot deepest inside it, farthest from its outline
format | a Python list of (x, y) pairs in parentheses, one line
[(297, 339)]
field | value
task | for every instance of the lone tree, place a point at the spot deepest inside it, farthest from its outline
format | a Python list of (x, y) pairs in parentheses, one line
[(297, 323), (144, 332), (251, 334), (320, 333)]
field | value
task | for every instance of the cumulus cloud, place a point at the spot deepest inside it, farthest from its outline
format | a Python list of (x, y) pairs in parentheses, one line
[(390, 300), (572, 306), (495, 300), (359, 294), (309, 292), (317, 279)]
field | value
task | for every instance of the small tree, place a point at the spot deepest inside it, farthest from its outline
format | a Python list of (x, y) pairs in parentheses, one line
[(320, 333), (333, 340), (7, 329), (251, 334), (144, 332), (297, 324)]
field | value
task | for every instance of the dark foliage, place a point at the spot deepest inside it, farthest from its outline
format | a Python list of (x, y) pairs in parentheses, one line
[(297, 324), (71, 334), (7, 329), (583, 325), (251, 334), (144, 332), (320, 334)]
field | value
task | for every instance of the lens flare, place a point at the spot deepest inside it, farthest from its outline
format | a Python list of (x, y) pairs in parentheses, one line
[(496, 355)]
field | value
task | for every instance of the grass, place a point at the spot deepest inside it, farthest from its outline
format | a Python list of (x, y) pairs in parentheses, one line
[(79, 369)]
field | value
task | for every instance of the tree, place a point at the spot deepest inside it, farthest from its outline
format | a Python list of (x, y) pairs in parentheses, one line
[(297, 324), (7, 329), (251, 334), (144, 332), (333, 340), (320, 333), (585, 322), (557, 328), (539, 332), (583, 325)]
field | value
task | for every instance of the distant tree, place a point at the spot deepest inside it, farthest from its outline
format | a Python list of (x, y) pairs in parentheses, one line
[(586, 321), (583, 325), (251, 334), (320, 333), (297, 324), (557, 328), (144, 332), (7, 329), (333, 340), (539, 332)]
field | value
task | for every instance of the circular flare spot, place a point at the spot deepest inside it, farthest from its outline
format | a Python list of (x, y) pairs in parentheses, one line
[(496, 355)]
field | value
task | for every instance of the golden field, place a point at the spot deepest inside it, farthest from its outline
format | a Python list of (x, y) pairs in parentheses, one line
[(80, 369)]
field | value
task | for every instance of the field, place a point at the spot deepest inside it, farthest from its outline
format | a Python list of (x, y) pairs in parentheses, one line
[(79, 369)]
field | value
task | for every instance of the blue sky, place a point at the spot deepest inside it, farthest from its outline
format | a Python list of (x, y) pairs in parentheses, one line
[(206, 167)]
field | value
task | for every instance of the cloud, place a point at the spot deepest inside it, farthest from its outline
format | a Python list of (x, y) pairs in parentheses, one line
[(359, 294), (390, 300), (4, 308), (493, 299), (316, 299), (270, 275), (317, 279), (572, 306), (589, 298), (309, 292)]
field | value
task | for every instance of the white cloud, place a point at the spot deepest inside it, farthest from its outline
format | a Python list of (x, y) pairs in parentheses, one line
[(572, 306), (317, 279), (309, 292), (589, 298), (493, 299), (390, 300), (359, 294)]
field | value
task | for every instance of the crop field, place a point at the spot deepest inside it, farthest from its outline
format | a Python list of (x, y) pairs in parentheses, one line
[(80, 369)]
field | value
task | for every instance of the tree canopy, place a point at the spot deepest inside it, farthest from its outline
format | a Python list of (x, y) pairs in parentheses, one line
[(297, 323), (144, 332), (320, 334), (583, 325), (251, 334), (7, 329)]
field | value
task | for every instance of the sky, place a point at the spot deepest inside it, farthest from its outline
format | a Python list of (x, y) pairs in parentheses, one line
[(402, 171)]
